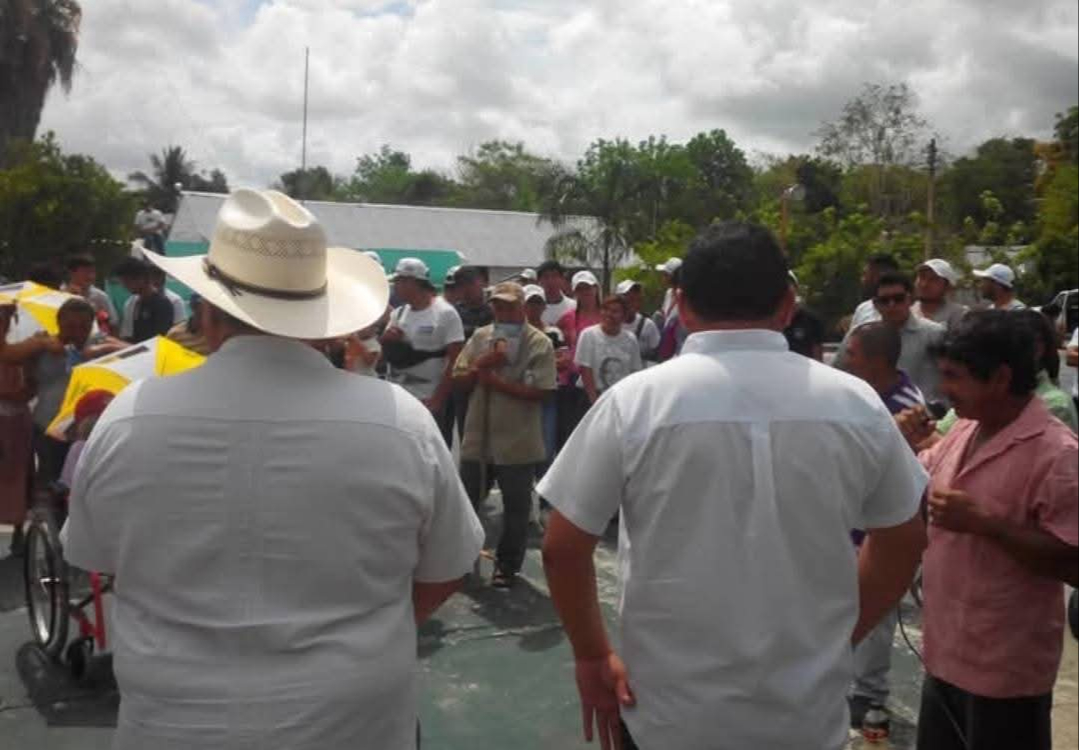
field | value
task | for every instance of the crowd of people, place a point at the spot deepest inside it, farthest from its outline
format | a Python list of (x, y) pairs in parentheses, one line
[(280, 526)]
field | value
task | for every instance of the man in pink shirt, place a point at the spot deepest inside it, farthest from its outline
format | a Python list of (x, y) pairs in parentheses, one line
[(1003, 536)]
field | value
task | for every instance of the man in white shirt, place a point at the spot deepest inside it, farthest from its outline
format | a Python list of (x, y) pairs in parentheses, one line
[(277, 527), (997, 285), (81, 275), (934, 283), (643, 329), (742, 596), (668, 269), (552, 277), (422, 341), (606, 353), (150, 225)]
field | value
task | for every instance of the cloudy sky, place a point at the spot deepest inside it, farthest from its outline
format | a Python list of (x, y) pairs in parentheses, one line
[(435, 78)]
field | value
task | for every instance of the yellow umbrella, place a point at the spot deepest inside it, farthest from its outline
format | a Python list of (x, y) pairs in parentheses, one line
[(37, 305), (157, 357)]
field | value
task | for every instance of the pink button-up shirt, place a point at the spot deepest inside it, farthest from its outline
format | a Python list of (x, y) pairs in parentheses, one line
[(991, 626)]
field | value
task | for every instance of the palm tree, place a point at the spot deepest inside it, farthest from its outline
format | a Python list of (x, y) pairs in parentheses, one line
[(170, 168), (38, 40)]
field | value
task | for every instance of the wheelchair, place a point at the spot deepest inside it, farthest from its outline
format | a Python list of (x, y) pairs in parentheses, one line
[(57, 594)]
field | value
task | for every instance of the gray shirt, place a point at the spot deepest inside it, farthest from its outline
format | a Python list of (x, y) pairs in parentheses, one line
[(948, 315), (918, 334)]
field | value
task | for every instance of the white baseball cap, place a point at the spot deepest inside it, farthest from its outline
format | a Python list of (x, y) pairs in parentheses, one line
[(412, 268), (670, 266), (625, 287), (584, 277), (532, 291), (999, 273), (943, 269), (528, 274)]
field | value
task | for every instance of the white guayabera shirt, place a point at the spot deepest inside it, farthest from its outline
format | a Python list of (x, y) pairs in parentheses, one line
[(266, 516), (739, 469)]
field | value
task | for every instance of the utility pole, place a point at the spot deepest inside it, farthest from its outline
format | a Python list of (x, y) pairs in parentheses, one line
[(931, 209), (303, 152)]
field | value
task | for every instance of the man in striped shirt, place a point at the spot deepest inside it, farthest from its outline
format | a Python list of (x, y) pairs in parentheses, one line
[(873, 355)]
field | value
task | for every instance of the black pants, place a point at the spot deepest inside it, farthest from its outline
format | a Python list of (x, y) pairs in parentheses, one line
[(986, 723), (571, 404), (627, 739), (516, 485), (444, 420), (51, 454)]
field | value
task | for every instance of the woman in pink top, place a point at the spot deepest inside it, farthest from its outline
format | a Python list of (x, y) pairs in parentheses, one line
[(586, 314)]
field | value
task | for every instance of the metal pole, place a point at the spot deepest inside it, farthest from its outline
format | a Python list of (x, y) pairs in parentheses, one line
[(303, 153), (931, 209)]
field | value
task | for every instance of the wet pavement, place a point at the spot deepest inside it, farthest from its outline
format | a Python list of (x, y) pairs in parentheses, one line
[(497, 672)]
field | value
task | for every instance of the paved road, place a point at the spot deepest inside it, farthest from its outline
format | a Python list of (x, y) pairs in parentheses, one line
[(497, 673)]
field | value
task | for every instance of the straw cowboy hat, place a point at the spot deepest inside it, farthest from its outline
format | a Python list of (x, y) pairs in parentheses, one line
[(269, 266)]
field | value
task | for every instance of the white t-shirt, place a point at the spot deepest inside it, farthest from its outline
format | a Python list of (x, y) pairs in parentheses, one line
[(739, 469), (649, 338), (149, 220), (431, 329), (554, 312), (610, 358), (265, 541)]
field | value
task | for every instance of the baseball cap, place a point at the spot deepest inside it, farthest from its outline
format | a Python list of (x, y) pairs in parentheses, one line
[(451, 276), (625, 287), (943, 269), (412, 268), (532, 291), (528, 274), (508, 291), (584, 277), (999, 273), (670, 266), (92, 404)]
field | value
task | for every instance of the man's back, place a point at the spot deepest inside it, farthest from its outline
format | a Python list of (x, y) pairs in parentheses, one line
[(741, 469), (266, 516)]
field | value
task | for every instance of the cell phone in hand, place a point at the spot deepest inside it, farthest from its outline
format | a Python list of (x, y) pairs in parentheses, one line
[(937, 409)]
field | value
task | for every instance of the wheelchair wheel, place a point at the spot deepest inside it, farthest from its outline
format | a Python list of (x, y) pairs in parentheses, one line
[(46, 582)]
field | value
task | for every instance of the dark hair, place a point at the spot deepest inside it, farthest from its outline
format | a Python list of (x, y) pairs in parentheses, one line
[(76, 306), (45, 273), (882, 262), (75, 262), (879, 339), (549, 266), (466, 275), (986, 340), (895, 279), (132, 268), (615, 299), (734, 271), (1041, 327)]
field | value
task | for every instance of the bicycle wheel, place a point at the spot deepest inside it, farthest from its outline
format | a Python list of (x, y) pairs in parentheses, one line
[(46, 582)]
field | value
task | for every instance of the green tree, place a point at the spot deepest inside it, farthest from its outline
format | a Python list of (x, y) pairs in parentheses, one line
[(312, 184), (503, 176), (53, 204), (388, 177), (38, 42), (171, 172), (215, 182), (722, 183), (1008, 168)]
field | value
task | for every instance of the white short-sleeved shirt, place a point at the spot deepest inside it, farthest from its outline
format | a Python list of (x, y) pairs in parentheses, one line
[(739, 469), (649, 338), (554, 312), (431, 329), (611, 358), (266, 516)]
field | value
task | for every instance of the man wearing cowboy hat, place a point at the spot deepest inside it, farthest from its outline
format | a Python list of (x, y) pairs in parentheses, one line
[(997, 285), (933, 285), (277, 527)]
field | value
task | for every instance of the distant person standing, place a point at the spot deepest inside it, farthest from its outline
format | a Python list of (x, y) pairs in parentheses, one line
[(422, 340), (607, 353), (151, 314), (741, 593), (805, 334), (643, 329), (81, 275), (997, 286), (150, 225), (668, 270), (933, 287), (552, 277), (876, 266)]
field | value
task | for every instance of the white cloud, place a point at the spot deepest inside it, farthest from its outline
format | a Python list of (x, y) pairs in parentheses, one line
[(436, 78)]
